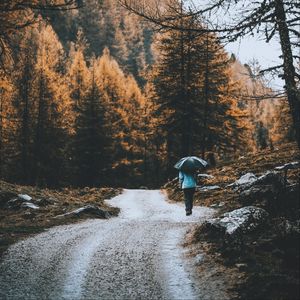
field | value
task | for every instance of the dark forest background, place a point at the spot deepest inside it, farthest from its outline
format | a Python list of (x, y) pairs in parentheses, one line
[(95, 96)]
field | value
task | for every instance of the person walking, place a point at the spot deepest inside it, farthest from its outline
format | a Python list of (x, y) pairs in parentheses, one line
[(187, 182)]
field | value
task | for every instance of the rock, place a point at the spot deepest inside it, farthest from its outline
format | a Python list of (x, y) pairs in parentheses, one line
[(207, 188), (233, 225), (206, 176), (245, 179), (288, 166), (24, 197), (87, 210), (216, 205), (264, 191), (258, 194), (199, 259), (241, 266), (5, 196), (271, 177), (16, 203), (29, 205)]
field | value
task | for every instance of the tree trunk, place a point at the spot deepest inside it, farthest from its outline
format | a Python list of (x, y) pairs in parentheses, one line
[(25, 125), (293, 94), (206, 87), (1, 132)]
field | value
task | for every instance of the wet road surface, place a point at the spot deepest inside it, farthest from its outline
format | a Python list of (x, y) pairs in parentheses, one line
[(134, 256)]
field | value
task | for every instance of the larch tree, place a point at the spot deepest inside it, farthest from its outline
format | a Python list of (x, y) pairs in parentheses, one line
[(269, 19), (7, 123), (192, 79), (90, 138), (52, 109)]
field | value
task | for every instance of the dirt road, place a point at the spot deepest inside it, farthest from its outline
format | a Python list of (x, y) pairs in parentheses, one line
[(134, 256)]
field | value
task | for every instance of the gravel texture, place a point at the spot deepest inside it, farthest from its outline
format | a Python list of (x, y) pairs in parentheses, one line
[(135, 256)]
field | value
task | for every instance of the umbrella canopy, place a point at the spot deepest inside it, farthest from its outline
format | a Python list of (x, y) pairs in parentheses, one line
[(190, 164)]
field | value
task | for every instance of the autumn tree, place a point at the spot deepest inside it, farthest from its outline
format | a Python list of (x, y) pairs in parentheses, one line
[(89, 140), (192, 80), (268, 19), (51, 109), (18, 14)]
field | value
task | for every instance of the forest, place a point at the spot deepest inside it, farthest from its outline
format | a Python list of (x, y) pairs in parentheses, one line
[(94, 95)]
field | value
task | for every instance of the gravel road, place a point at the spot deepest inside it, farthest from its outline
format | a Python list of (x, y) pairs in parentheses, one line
[(134, 256)]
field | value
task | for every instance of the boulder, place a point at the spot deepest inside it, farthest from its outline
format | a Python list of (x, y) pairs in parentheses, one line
[(232, 226), (245, 179), (265, 191), (258, 194), (272, 178), (87, 210)]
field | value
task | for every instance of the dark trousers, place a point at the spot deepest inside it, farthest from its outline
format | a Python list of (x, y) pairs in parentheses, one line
[(188, 198)]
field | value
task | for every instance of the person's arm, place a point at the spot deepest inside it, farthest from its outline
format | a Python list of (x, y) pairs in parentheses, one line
[(181, 177)]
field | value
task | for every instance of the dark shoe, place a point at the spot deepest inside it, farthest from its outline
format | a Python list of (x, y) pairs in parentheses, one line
[(188, 212)]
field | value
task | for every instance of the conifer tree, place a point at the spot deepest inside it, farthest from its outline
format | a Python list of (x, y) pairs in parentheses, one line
[(89, 140), (51, 111), (193, 83)]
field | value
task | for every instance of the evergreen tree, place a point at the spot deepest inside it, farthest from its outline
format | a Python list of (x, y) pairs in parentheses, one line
[(51, 111), (196, 94), (89, 140)]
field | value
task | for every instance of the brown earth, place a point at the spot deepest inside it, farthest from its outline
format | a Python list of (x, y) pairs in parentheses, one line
[(17, 223)]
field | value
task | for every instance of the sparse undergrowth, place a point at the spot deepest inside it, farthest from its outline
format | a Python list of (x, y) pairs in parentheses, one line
[(266, 260), (16, 223)]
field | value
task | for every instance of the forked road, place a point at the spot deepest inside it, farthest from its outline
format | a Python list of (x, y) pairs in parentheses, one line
[(134, 256)]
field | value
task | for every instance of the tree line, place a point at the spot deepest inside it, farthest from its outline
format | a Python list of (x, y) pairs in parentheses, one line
[(69, 116)]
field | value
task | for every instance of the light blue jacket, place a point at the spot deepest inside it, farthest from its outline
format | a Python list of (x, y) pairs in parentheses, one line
[(187, 181)]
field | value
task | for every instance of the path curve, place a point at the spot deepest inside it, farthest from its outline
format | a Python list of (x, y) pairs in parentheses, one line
[(134, 256)]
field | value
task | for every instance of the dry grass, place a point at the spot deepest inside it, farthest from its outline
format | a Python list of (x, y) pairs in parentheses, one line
[(270, 262), (229, 171), (19, 223)]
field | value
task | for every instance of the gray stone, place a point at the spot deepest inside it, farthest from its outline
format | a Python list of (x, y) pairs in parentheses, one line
[(271, 177), (258, 194), (16, 203), (199, 259), (207, 188), (239, 222), (241, 266), (206, 176), (24, 197), (29, 205), (87, 210), (245, 179), (288, 166)]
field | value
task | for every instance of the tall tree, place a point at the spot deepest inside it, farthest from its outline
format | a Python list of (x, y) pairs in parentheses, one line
[(192, 81), (270, 19), (89, 141), (52, 109)]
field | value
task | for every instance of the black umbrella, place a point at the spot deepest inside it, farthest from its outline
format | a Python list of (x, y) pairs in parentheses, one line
[(190, 164)]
